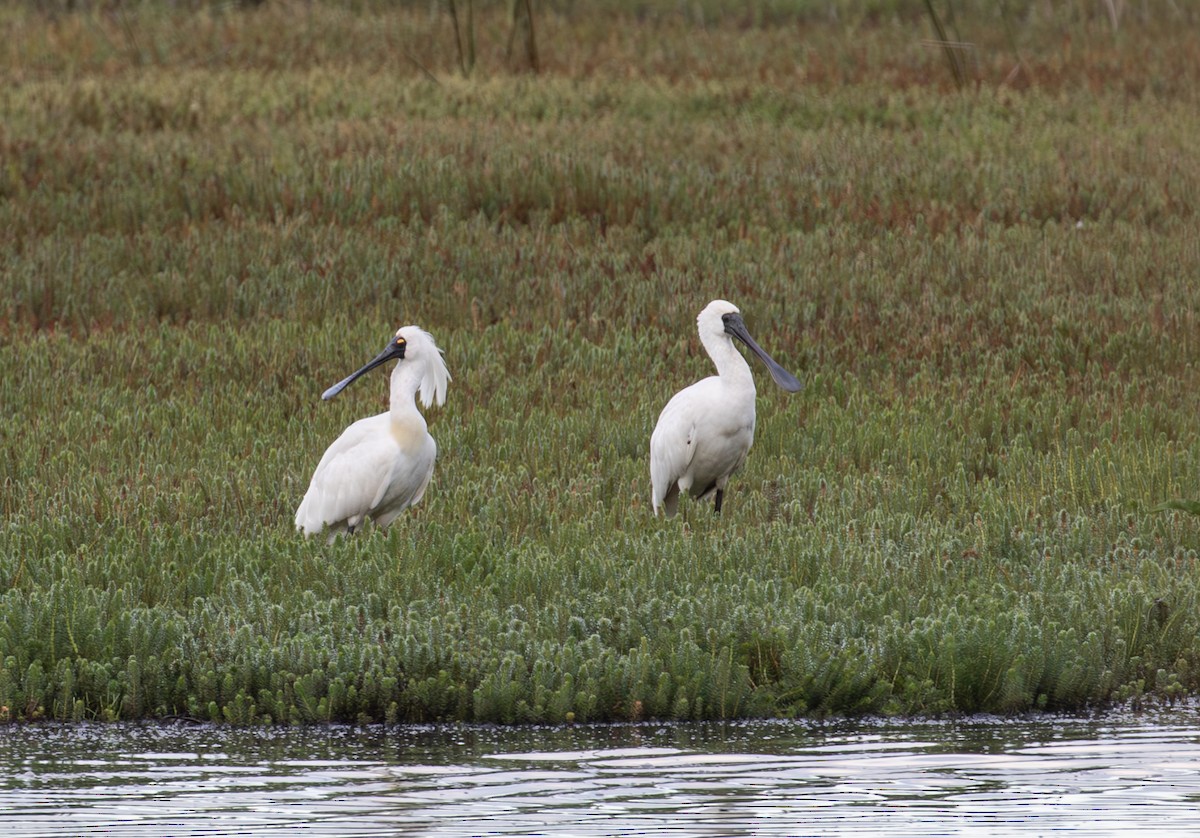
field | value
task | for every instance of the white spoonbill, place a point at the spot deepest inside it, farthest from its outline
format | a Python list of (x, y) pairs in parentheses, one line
[(705, 431), (380, 465)]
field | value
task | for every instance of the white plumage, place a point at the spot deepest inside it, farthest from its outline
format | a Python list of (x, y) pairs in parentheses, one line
[(380, 465), (705, 432)]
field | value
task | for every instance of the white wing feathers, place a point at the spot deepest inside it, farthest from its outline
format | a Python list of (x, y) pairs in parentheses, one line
[(702, 437), (361, 474), (672, 448)]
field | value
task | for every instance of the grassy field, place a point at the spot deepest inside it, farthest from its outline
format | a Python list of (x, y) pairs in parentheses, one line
[(990, 288)]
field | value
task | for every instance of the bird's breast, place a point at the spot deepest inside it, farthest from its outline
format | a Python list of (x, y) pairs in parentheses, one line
[(409, 435)]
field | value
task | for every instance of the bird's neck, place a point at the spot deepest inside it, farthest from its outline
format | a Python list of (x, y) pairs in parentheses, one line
[(405, 383), (731, 366)]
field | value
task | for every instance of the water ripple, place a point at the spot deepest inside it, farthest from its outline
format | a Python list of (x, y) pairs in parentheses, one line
[(1086, 777)]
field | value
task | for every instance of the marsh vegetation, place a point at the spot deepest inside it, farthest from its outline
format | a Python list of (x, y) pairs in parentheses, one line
[(210, 214)]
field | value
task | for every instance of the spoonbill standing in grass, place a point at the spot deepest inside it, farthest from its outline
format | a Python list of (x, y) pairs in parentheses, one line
[(705, 431), (380, 465)]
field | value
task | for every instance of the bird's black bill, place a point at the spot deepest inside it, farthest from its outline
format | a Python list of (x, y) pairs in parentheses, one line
[(736, 327), (393, 351)]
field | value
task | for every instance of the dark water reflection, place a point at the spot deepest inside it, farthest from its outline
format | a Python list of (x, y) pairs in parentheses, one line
[(1030, 776)]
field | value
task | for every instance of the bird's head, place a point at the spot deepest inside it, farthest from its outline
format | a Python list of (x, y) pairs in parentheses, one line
[(722, 319), (423, 352), (411, 345), (712, 320)]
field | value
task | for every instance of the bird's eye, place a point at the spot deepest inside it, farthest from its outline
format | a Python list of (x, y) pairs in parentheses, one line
[(400, 341)]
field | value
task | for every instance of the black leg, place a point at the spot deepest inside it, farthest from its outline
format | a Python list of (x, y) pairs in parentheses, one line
[(720, 497)]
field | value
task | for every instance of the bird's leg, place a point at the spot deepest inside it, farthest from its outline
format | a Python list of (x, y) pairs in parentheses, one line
[(350, 529), (717, 504)]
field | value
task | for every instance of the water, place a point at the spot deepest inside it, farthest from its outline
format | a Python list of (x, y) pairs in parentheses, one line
[(1037, 776)]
